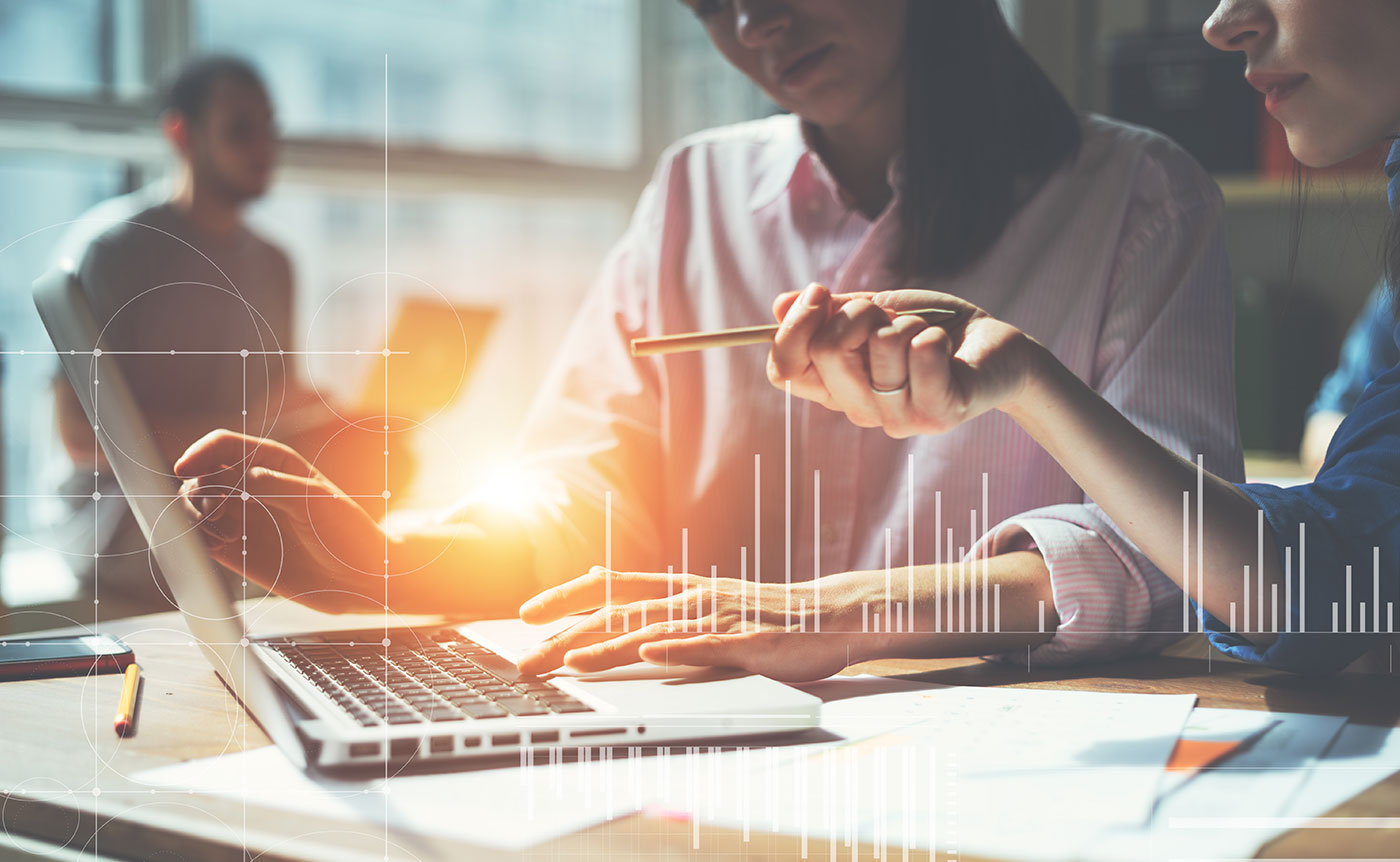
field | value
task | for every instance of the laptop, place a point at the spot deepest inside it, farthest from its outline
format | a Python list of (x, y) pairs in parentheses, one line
[(335, 700)]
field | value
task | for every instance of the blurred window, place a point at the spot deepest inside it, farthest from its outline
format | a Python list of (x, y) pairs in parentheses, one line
[(43, 193), (529, 258), (553, 79), (71, 48)]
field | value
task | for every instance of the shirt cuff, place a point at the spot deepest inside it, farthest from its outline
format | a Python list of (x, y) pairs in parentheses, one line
[(1103, 596)]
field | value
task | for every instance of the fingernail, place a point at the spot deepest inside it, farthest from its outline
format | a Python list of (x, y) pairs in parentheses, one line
[(812, 297)]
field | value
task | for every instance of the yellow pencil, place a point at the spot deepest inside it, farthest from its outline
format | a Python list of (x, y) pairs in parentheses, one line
[(126, 709), (688, 341)]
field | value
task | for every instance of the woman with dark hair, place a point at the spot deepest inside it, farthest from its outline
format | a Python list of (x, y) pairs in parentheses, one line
[(1301, 578), (923, 148)]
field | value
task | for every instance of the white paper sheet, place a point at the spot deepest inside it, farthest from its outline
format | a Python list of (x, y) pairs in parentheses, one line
[(1019, 773), (508, 808), (1004, 773), (1360, 756), (1209, 815)]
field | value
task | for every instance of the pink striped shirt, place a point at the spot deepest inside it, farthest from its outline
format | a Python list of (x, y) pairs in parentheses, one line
[(696, 463)]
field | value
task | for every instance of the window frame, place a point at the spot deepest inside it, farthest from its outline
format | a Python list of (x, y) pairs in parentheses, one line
[(125, 128)]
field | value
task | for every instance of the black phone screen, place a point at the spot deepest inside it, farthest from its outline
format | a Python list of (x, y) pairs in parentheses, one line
[(19, 651)]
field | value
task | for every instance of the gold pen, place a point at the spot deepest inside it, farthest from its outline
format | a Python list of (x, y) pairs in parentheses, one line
[(688, 341)]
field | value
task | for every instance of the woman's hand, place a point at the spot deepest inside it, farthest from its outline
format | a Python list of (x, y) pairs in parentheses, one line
[(771, 629), (303, 537), (857, 355)]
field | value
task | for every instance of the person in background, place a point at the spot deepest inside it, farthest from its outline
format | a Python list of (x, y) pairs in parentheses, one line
[(923, 147), (1368, 351), (175, 273)]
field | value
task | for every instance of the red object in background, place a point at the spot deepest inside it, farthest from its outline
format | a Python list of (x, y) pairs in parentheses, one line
[(1276, 161)]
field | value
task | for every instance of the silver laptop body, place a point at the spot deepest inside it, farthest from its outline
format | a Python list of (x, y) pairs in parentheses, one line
[(337, 699)]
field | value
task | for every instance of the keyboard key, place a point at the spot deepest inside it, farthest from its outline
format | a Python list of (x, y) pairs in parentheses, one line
[(442, 713), (522, 706), (499, 666), (573, 706), (482, 709)]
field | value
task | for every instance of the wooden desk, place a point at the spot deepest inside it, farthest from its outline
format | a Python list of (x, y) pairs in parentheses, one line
[(58, 738)]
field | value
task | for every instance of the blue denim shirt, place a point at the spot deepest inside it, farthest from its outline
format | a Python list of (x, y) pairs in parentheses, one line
[(1368, 352), (1351, 508)]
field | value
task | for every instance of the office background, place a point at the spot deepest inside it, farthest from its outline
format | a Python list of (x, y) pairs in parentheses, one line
[(520, 132)]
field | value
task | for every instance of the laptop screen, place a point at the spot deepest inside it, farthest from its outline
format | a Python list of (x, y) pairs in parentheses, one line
[(151, 490)]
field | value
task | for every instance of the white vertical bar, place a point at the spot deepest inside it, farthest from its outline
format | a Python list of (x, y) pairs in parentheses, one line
[(937, 527), (949, 558), (865, 616), (787, 494), (996, 617), (1288, 589), (938, 561), (1348, 598), (801, 615), (875, 621), (1302, 578), (757, 537), (1335, 626), (1246, 602), (899, 616), (1390, 617), (1185, 561), (714, 600), (909, 546), (962, 589), (1376, 588), (743, 606), (1361, 618), (670, 588), (932, 804), (817, 546), (607, 556), (1042, 615), (1233, 627), (972, 572), (1259, 572), (1273, 589), (986, 557), (1200, 540), (888, 539)]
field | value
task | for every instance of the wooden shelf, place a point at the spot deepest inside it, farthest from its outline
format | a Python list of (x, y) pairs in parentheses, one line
[(1250, 190)]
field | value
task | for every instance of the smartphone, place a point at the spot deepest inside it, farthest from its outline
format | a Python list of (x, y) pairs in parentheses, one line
[(69, 655)]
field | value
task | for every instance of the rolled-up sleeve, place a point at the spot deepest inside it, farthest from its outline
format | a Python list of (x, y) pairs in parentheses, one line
[(1111, 601), (1165, 359)]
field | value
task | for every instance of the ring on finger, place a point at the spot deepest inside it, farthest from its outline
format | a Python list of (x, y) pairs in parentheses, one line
[(897, 390)]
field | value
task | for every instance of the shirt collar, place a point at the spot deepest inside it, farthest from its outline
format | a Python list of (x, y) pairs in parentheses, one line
[(793, 145), (787, 150)]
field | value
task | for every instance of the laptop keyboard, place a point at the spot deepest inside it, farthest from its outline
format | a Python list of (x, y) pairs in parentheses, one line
[(422, 676)]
